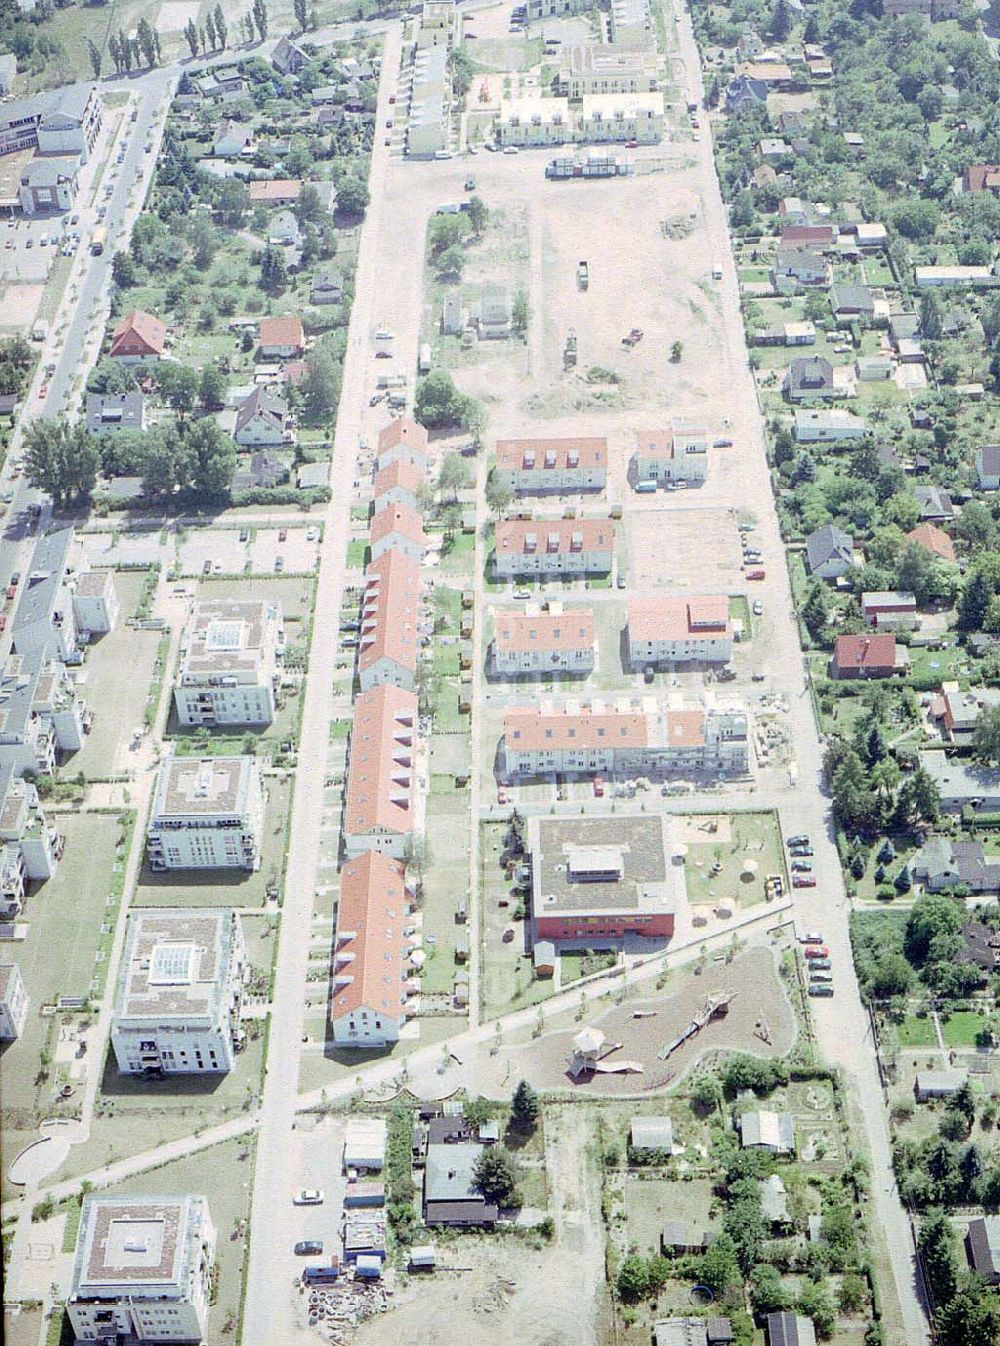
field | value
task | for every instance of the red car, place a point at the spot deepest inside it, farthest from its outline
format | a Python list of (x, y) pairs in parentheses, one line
[(599, 787), (756, 574), (818, 951), (631, 144), (803, 881), (43, 392)]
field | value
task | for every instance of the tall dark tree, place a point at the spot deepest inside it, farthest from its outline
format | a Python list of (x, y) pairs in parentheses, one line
[(94, 52), (524, 1108), (259, 12), (221, 27), (61, 460)]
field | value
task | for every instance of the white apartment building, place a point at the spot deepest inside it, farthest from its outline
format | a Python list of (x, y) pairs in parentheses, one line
[(677, 454), (207, 814), (13, 1002), (180, 989), (553, 547), (63, 121), (428, 124), (28, 843), (231, 670), (536, 119), (142, 1270), (41, 715), (95, 603), (563, 466), (621, 738), (44, 615), (594, 68), (534, 641), (678, 630)]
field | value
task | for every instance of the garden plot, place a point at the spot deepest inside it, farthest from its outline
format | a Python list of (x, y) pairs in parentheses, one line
[(666, 549)]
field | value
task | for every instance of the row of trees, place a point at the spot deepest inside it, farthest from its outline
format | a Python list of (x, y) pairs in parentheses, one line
[(211, 35), (129, 53), (965, 1311)]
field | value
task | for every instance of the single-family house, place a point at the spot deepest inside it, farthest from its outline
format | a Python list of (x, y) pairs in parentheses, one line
[(963, 783), (874, 368), (745, 91), (283, 230), (798, 267), (958, 711), (772, 149), (850, 300), (980, 949), (765, 1130), (932, 1084), (789, 1329), (944, 863), (988, 467), (863, 656), (327, 288), (452, 321), (281, 338), (817, 238), (982, 1237), (982, 178), (934, 541), (829, 552), (107, 412), (288, 58), (828, 426), (494, 315), (232, 138), (810, 378), (451, 1197), (261, 471), (935, 504), (274, 191), (264, 419), (139, 336), (774, 1203)]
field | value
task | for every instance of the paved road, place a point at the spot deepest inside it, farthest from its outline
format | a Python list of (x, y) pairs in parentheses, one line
[(841, 1023), (271, 1262)]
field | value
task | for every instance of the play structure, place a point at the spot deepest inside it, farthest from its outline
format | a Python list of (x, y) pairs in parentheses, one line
[(590, 1052), (715, 1007)]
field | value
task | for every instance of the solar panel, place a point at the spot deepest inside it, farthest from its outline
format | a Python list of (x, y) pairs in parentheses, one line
[(225, 635)]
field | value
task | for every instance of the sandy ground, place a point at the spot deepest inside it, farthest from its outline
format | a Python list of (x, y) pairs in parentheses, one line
[(494, 1300), (18, 306)]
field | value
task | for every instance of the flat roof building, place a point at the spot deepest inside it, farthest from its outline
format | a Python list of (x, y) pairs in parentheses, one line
[(13, 1002), (44, 616), (28, 843), (142, 1269), (451, 1197), (180, 989), (207, 813), (231, 670), (41, 715), (616, 884)]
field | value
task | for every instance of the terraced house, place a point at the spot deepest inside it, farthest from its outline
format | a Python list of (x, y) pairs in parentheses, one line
[(561, 466), (553, 547), (678, 631), (368, 1006), (537, 641), (381, 779)]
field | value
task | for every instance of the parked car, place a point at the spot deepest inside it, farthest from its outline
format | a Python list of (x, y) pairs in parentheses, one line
[(821, 990), (309, 1196), (819, 964), (800, 850), (308, 1248), (501, 795), (801, 867), (599, 786), (756, 574), (803, 881), (723, 443), (800, 839), (821, 978), (811, 939), (758, 608), (817, 951)]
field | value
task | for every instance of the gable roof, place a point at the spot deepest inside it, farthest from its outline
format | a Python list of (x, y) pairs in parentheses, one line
[(865, 652), (282, 332), (402, 430), (829, 543), (390, 611), (263, 401), (139, 333), (933, 540), (382, 762), (371, 915)]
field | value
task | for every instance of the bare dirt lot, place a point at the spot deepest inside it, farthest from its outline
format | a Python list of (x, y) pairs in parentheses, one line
[(667, 549)]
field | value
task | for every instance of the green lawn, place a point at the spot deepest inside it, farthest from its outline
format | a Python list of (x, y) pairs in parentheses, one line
[(961, 1027), (445, 881), (714, 869), (917, 1032), (457, 555)]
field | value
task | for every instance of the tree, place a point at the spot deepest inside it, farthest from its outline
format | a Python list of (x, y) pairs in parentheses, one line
[(781, 21), (123, 270), (221, 27), (204, 239), (931, 919), (212, 388), (212, 458), (321, 385), (815, 1303), (975, 601), (498, 493), (970, 1316), (147, 41), (259, 12), (718, 1268), (352, 195), (191, 34), (919, 799), (94, 52), (936, 1243), (273, 270), (232, 200), (301, 9), (633, 1278), (438, 401), (931, 321), (706, 1093), (178, 385), (61, 460), (676, 351), (816, 610), (210, 29), (308, 208), (524, 1109), (494, 1176), (454, 475), (521, 310), (478, 214), (986, 736)]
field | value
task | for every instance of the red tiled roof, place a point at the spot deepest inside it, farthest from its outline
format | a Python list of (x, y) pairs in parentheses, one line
[(282, 332), (678, 618), (865, 652), (397, 519), (516, 455), (399, 473), (403, 430), (275, 190), (518, 631), (139, 333), (370, 919), (390, 611), (382, 762), (556, 535), (933, 540)]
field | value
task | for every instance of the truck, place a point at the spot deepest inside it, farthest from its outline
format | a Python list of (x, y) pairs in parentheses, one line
[(583, 274), (424, 359), (717, 271), (391, 381)]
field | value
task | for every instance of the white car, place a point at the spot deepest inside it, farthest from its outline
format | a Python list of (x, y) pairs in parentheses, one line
[(309, 1196), (758, 608)]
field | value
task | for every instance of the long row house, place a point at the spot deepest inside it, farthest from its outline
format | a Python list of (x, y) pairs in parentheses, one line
[(372, 992)]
